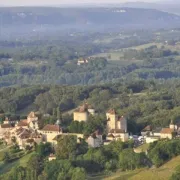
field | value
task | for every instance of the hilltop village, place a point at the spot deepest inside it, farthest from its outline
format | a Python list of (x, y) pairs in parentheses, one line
[(27, 131)]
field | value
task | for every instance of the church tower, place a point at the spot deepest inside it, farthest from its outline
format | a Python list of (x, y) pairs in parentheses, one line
[(172, 125)]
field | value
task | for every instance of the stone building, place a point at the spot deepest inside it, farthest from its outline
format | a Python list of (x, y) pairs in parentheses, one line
[(115, 122), (50, 131), (95, 140), (167, 133), (83, 112), (116, 126)]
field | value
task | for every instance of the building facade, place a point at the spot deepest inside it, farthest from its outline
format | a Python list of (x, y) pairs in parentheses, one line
[(83, 112)]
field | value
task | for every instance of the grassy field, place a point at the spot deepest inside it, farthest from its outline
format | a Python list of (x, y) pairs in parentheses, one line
[(7, 167), (117, 55), (2, 150), (142, 148), (162, 173)]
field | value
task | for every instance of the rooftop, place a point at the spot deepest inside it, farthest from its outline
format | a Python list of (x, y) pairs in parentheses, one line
[(6, 126), (22, 123), (167, 131), (50, 127), (110, 135), (111, 111), (84, 108), (147, 128)]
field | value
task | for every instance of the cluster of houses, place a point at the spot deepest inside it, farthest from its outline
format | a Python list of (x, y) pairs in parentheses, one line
[(26, 132), (116, 125), (150, 135), (84, 61)]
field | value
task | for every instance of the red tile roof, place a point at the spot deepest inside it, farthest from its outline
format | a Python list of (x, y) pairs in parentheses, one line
[(110, 135), (147, 128), (22, 123), (111, 111), (30, 140), (84, 108), (25, 134), (167, 131), (6, 126), (50, 127)]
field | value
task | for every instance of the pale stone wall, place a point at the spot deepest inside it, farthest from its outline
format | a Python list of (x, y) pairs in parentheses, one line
[(124, 137), (48, 136), (164, 136), (34, 125), (122, 124), (80, 116), (157, 134), (91, 111), (151, 139), (95, 142), (52, 158), (112, 123)]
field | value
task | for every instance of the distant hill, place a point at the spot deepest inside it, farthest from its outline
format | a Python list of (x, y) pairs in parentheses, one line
[(94, 18), (167, 6)]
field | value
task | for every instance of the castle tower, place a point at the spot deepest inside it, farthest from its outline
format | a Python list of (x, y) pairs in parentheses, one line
[(122, 123), (114, 122), (112, 119), (83, 112)]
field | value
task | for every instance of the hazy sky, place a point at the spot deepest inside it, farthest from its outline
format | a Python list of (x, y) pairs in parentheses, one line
[(59, 2)]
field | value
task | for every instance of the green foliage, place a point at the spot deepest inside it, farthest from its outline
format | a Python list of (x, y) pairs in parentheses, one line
[(128, 159), (76, 127), (95, 123), (147, 53), (107, 157), (163, 150), (78, 174), (35, 165), (66, 147), (44, 149), (176, 174), (6, 157)]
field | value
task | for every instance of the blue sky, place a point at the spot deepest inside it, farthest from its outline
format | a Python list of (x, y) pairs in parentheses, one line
[(59, 2)]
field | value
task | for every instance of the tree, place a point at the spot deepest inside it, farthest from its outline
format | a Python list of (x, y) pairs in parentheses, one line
[(66, 146), (35, 165), (76, 127), (78, 174), (44, 149), (6, 157), (59, 114), (129, 160)]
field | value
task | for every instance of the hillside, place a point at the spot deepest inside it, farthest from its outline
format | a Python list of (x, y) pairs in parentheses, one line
[(167, 6), (90, 18), (162, 173)]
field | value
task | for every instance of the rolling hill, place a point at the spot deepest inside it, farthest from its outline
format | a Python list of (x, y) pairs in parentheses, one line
[(166, 6), (87, 18)]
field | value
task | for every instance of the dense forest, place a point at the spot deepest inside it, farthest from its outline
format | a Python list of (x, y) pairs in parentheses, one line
[(135, 72), (55, 61), (142, 102)]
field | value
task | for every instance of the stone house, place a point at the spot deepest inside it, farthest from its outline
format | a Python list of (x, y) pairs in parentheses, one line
[(83, 112), (50, 131)]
